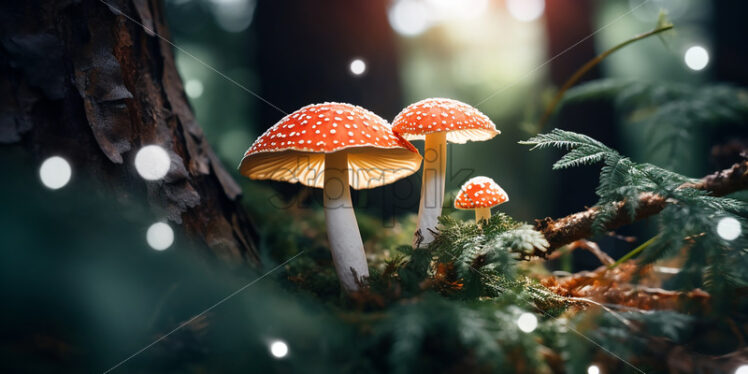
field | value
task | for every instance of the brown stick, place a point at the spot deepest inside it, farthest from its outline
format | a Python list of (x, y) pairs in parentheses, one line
[(577, 226)]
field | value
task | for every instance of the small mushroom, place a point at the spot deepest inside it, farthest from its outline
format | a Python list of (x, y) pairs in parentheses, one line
[(438, 121), (334, 146), (481, 194)]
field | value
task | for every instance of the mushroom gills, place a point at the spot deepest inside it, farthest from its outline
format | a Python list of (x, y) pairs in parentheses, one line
[(342, 229), (432, 187)]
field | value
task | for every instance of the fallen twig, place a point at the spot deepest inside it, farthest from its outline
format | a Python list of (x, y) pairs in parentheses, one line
[(562, 231)]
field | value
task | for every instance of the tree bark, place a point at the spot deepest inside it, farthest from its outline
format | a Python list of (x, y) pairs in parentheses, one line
[(80, 79), (577, 226)]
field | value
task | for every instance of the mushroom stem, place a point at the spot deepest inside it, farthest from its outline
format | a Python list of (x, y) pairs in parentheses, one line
[(482, 214), (342, 230), (432, 187)]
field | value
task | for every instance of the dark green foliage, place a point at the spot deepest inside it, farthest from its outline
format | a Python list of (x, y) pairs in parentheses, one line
[(456, 301), (620, 178), (475, 336), (670, 113), (500, 235), (688, 222), (453, 306), (633, 339), (480, 252)]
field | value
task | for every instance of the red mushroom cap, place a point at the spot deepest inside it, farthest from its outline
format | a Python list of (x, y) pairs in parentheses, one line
[(462, 122), (293, 150), (480, 192)]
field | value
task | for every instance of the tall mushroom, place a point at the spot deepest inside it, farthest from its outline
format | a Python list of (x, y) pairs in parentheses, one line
[(438, 121), (481, 194), (334, 146)]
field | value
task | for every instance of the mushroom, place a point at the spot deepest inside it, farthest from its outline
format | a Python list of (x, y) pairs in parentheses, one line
[(334, 146), (481, 194), (438, 121)]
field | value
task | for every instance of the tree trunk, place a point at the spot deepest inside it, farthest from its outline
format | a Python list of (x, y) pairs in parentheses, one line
[(84, 80)]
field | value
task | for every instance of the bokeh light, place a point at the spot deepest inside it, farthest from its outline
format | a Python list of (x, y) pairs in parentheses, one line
[(593, 369), (194, 88), (233, 15), (697, 58), (527, 322), (358, 66), (278, 348), (728, 228), (152, 162), (525, 10), (742, 369), (409, 17), (160, 236), (55, 172), (457, 9)]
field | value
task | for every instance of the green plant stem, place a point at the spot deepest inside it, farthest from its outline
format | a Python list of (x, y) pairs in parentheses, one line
[(634, 252), (588, 66)]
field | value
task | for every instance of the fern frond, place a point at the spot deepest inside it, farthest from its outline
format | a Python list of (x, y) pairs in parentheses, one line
[(565, 140), (583, 155), (671, 113), (688, 222)]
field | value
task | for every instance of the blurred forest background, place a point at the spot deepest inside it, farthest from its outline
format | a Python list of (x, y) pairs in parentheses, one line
[(75, 263), (507, 58)]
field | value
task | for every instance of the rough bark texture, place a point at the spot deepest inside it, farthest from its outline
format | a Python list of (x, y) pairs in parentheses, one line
[(82, 80), (577, 226)]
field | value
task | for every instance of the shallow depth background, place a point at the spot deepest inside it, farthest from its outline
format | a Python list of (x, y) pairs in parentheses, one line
[(75, 263), (506, 57)]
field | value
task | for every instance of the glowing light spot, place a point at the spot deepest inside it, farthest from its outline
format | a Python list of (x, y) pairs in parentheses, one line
[(160, 236), (742, 369), (194, 88), (527, 322), (593, 369), (278, 349), (233, 15), (697, 58), (525, 10), (358, 66), (152, 162), (728, 228), (457, 9), (408, 17), (55, 172)]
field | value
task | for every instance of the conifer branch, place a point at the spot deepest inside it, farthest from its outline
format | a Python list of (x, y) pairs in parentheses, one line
[(562, 231)]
